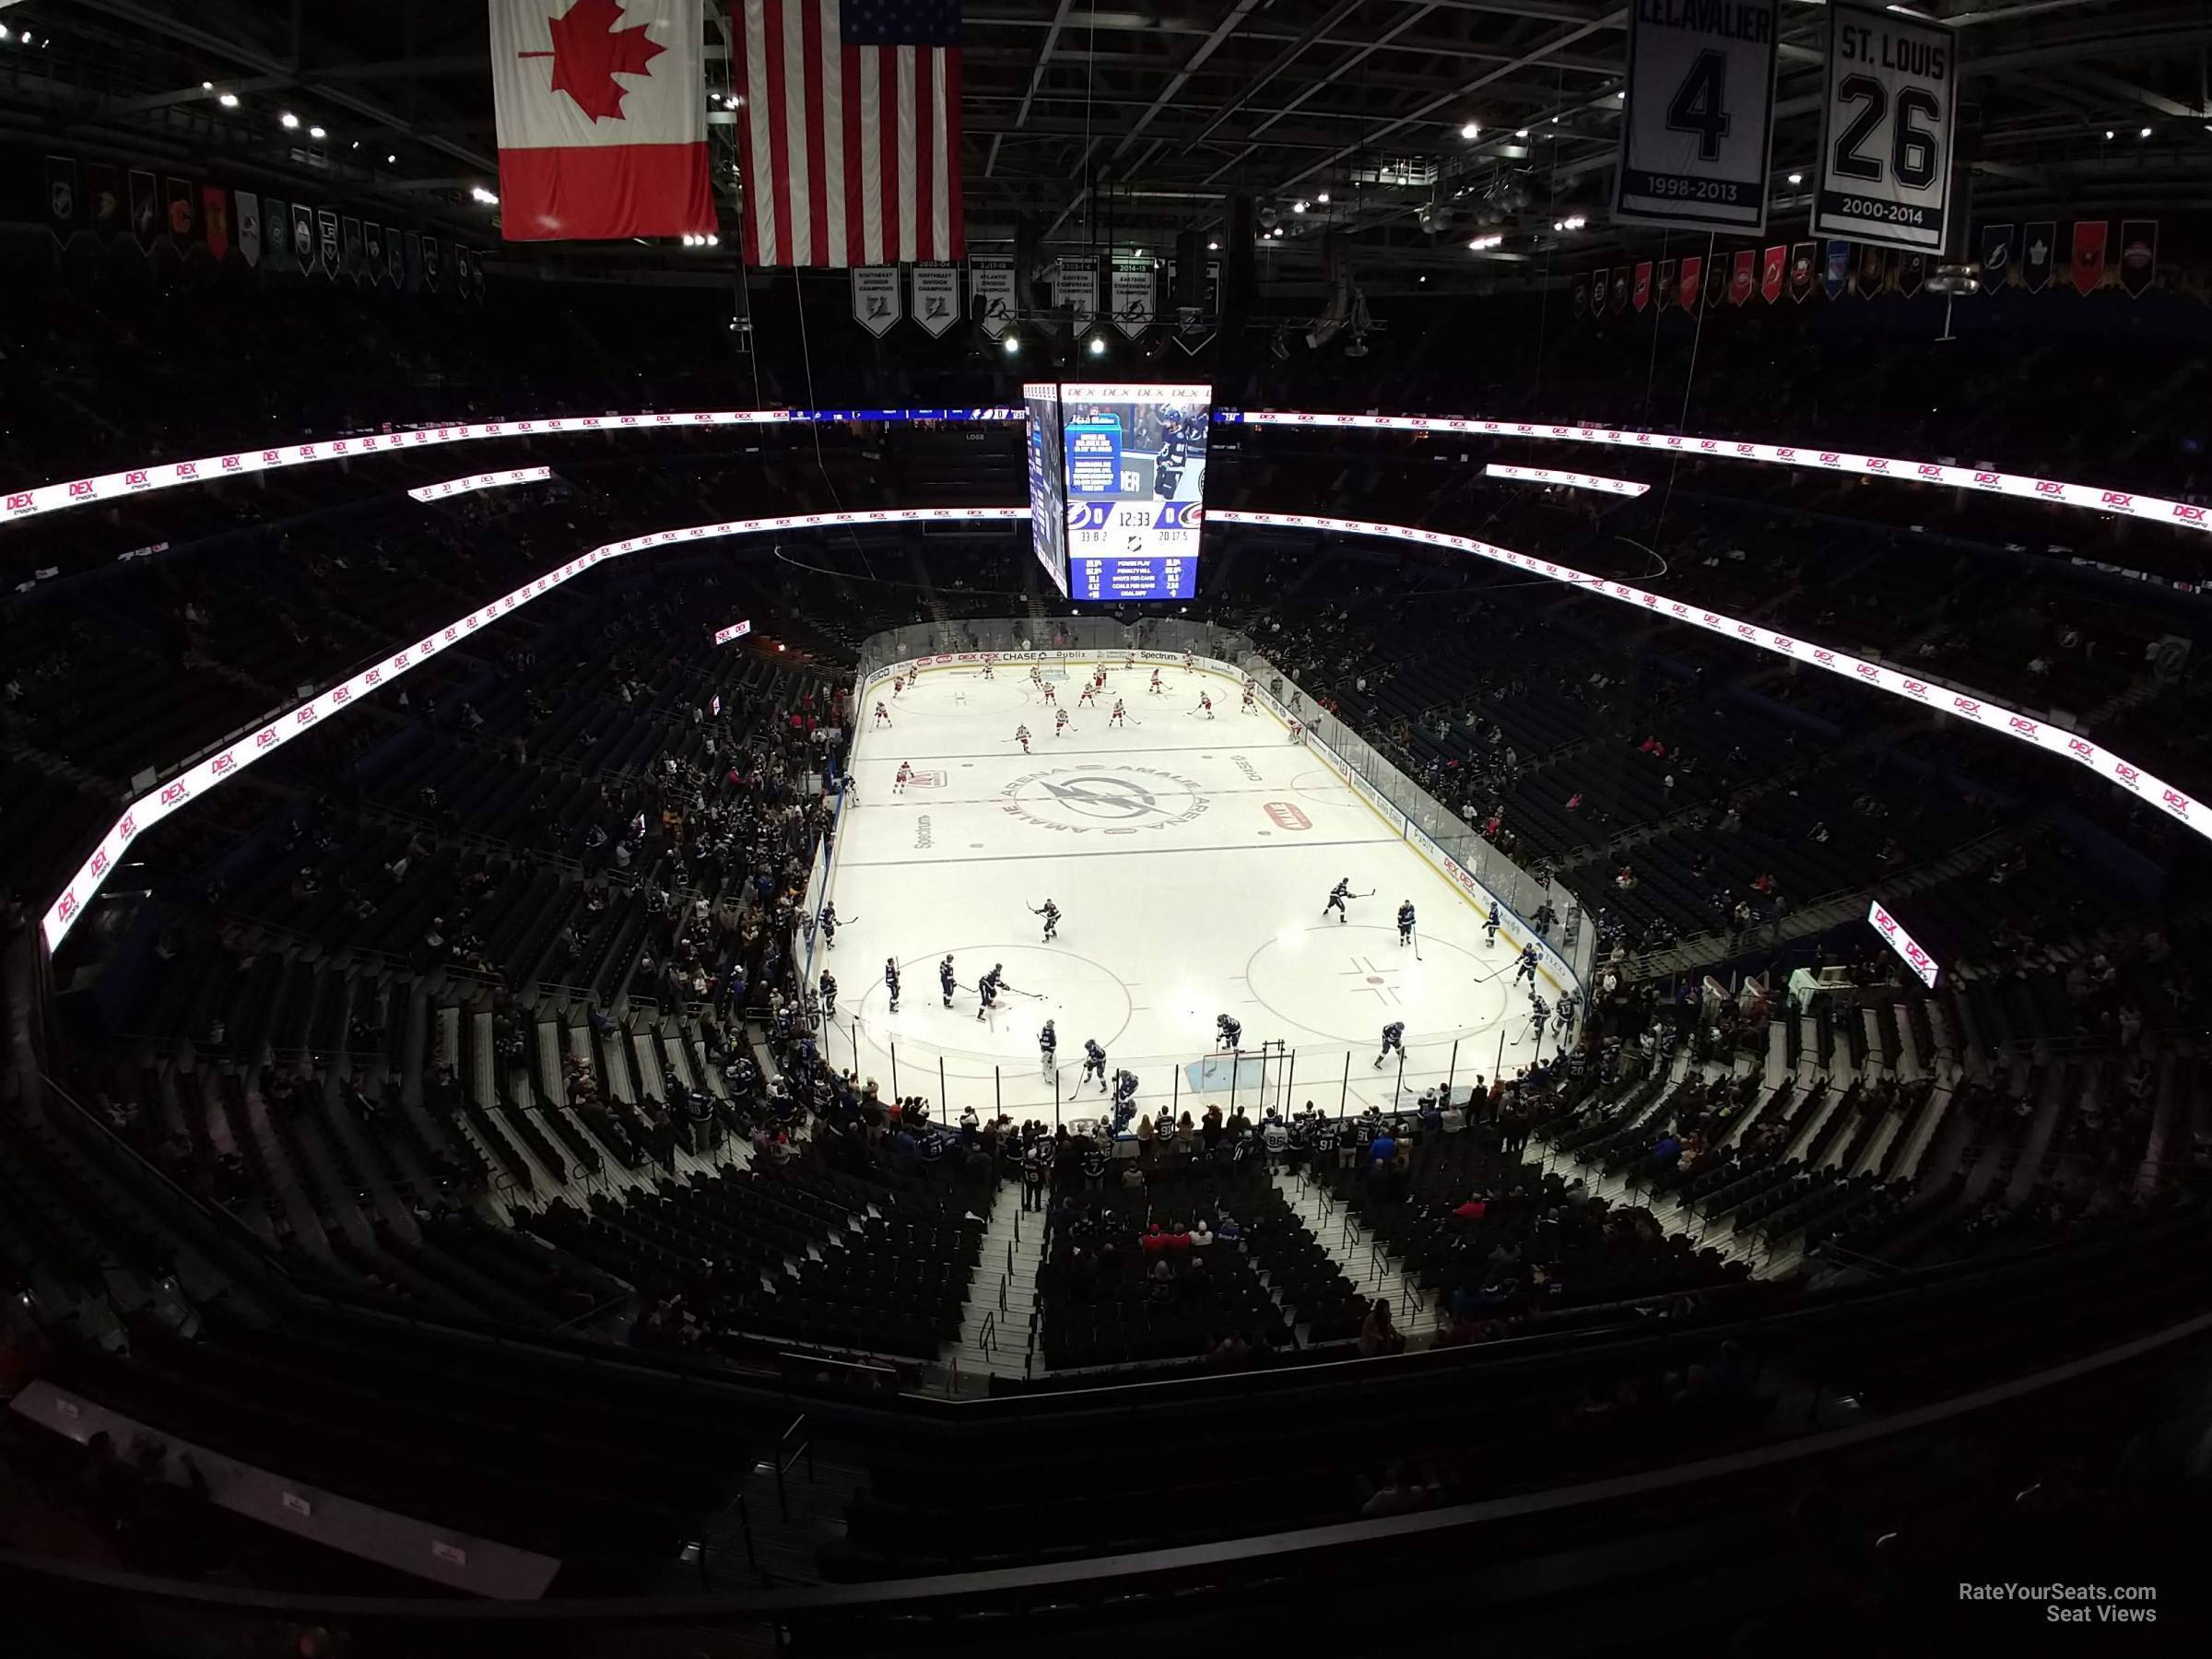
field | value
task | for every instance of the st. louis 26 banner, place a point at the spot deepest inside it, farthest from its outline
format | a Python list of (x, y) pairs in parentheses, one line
[(1694, 132), (1891, 102)]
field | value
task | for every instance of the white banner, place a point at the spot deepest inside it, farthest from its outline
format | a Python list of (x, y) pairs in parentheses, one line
[(991, 280), (476, 481), (1888, 110), (1075, 286), (1133, 296), (723, 636), (876, 298), (1573, 480), (1924, 967), (1696, 132), (937, 297)]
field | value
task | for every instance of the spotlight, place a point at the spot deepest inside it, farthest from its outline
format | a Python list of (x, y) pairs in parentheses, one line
[(1298, 206), (1796, 177), (316, 132), (391, 160), (290, 122), (1213, 247), (1098, 345), (713, 241), (1471, 130), (2144, 134), (1323, 197), (207, 85), (229, 100), (1013, 345), (1521, 132), (2107, 135)]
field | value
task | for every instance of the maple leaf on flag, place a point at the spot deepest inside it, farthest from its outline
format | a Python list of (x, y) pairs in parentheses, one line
[(589, 52)]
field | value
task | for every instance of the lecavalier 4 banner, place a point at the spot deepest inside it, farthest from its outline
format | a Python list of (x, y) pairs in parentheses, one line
[(1696, 129), (1889, 107)]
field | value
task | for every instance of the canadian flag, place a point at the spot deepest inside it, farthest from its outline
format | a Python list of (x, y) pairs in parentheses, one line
[(602, 112)]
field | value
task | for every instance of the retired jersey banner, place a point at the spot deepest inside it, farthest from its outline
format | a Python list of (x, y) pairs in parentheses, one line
[(991, 291), (1643, 283), (1772, 265), (1801, 272), (1695, 130), (1888, 110), (2036, 254), (1688, 291), (937, 297), (2088, 265), (1996, 255), (2139, 255), (876, 298), (1743, 278)]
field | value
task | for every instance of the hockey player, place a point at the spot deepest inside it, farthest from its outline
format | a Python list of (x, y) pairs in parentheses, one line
[(1124, 1099), (1227, 1034), (1298, 733), (1051, 912), (1406, 923), (891, 980), (1036, 676), (898, 685), (1094, 1063), (883, 715), (1048, 1046), (828, 990), (1539, 1013), (1061, 723), (1086, 697), (828, 923), (944, 980), (1206, 706), (1251, 699), (1156, 688), (1051, 698), (1337, 895), (1489, 926), (1119, 716), (986, 989), (987, 673), (1097, 678), (1394, 1037), (1525, 969), (1021, 736), (1562, 1017), (1189, 661), (906, 773)]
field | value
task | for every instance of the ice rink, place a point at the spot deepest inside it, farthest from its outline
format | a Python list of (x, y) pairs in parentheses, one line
[(1191, 860)]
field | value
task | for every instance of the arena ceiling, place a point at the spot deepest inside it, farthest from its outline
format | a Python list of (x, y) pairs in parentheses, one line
[(1420, 121)]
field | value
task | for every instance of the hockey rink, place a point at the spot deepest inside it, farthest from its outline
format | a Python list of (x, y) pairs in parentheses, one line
[(1191, 860)]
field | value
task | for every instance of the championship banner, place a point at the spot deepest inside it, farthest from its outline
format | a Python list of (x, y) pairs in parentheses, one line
[(104, 199), (146, 207), (249, 227), (1835, 269), (2088, 265), (1996, 255), (1911, 270), (1691, 265), (1132, 296), (1620, 289), (1194, 324), (2036, 255), (1771, 267), (215, 217), (1695, 130), (1743, 278), (1075, 286), (372, 239), (1888, 110), (63, 209), (991, 291), (876, 298), (1664, 294), (1643, 283), (2139, 255), (937, 297), (1801, 273)]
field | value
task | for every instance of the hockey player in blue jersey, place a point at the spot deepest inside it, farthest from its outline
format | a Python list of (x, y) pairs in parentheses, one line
[(944, 980), (1051, 912), (987, 988), (828, 991), (1406, 923), (1048, 1046), (1094, 1063), (1394, 1037), (1489, 926), (829, 926), (1337, 895), (1526, 967), (891, 980), (1227, 1032)]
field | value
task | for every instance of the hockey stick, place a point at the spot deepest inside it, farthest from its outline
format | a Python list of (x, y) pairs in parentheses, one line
[(1416, 944)]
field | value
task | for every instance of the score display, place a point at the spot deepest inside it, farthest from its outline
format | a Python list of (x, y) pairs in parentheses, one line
[(1131, 481), (1048, 485)]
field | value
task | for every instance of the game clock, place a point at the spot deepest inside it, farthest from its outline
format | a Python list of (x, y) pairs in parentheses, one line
[(1132, 479)]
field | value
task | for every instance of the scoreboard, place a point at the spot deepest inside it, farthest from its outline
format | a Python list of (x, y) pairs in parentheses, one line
[(1130, 483)]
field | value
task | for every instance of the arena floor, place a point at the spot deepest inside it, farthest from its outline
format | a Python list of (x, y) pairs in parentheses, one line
[(1191, 859)]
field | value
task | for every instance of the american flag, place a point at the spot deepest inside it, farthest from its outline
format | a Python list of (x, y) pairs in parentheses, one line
[(851, 130)]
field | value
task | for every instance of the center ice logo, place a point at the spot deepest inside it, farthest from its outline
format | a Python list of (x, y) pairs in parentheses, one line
[(1118, 803)]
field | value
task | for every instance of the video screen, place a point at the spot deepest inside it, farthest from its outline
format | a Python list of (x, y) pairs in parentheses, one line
[(1135, 481), (1048, 494)]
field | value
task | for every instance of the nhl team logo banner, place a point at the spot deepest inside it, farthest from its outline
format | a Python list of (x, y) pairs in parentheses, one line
[(1911, 268), (326, 240), (350, 259), (1598, 291), (277, 233), (991, 291), (937, 297), (181, 225), (2088, 265), (1801, 273), (414, 262), (1772, 265), (1664, 293), (1620, 289), (1132, 302), (1835, 269), (876, 298), (1582, 295), (104, 199), (2036, 254), (1743, 278), (1888, 114), (63, 208), (1717, 285), (433, 265), (1996, 255), (1873, 263), (249, 227), (215, 216), (2139, 255), (146, 207), (372, 238), (1692, 267), (306, 245), (1643, 283), (1697, 127), (394, 260)]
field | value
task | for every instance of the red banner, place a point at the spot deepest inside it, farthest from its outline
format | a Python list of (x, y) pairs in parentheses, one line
[(1643, 283), (215, 213), (2088, 254), (1770, 268), (1743, 276), (1691, 267)]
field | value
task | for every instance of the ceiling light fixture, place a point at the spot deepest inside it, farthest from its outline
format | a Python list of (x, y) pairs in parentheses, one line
[(1471, 130), (290, 122), (1796, 177), (229, 100), (316, 132)]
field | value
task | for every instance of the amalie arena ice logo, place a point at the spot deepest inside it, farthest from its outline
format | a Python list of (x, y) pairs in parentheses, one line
[(1078, 800)]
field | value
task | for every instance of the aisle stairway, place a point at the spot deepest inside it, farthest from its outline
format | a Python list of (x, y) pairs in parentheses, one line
[(1374, 1272), (999, 1324)]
